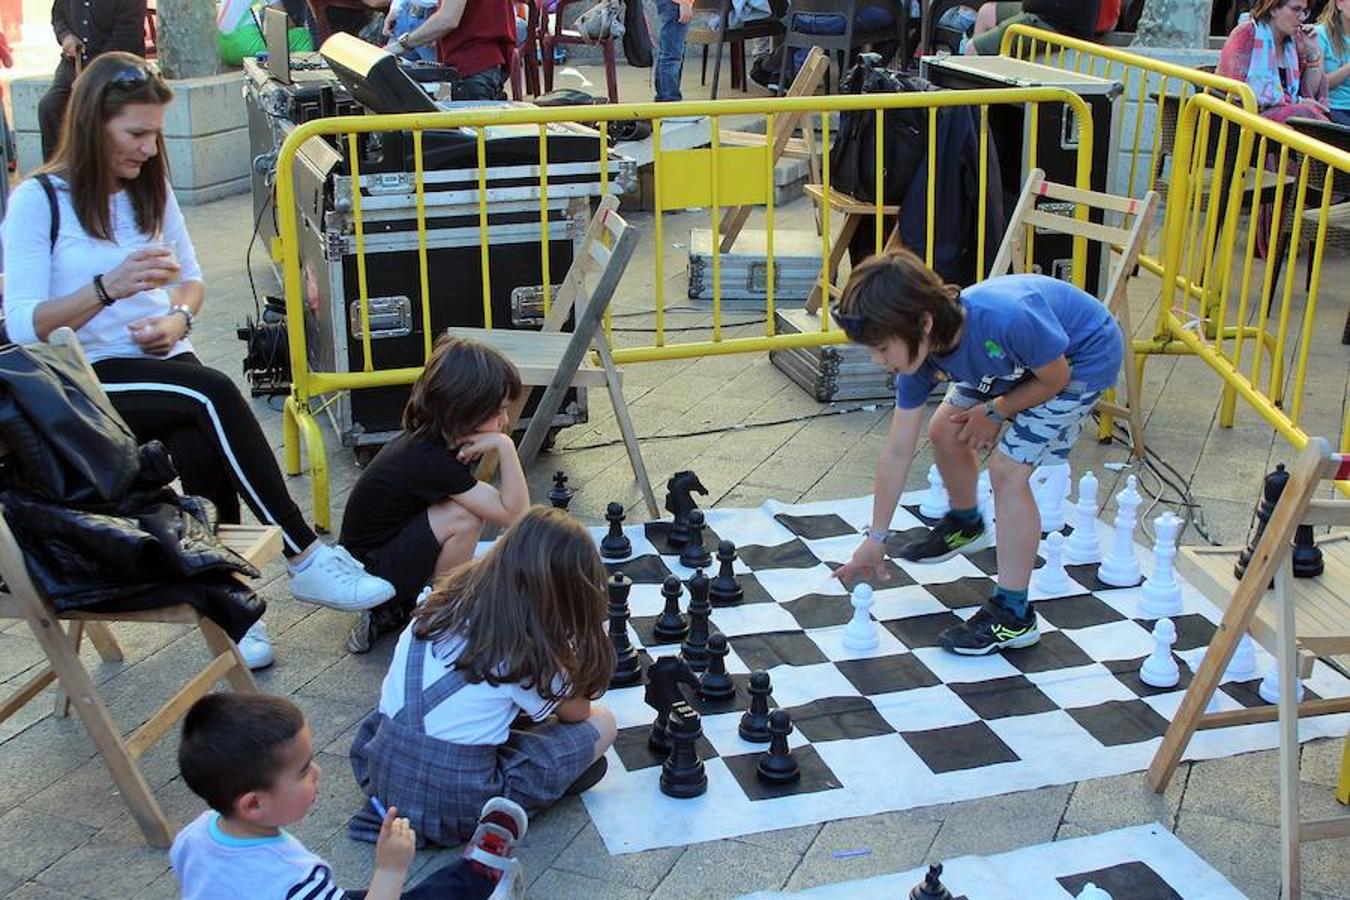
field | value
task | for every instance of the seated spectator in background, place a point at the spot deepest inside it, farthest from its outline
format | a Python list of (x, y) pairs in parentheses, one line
[(404, 16), (1331, 31), (1075, 18), (473, 37), (1280, 58)]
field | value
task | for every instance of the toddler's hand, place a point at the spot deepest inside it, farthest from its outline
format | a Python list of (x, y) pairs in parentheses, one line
[(397, 843), (480, 442)]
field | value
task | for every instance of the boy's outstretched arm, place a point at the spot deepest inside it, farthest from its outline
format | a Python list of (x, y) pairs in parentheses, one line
[(892, 470), (502, 506)]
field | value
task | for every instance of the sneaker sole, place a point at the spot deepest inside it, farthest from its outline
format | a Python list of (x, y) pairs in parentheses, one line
[(983, 542), (510, 808), (1017, 643), (345, 607)]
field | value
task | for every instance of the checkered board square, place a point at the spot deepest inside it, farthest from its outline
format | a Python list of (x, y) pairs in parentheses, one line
[(907, 724)]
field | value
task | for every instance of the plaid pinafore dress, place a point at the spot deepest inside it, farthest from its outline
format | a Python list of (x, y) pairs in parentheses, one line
[(441, 786)]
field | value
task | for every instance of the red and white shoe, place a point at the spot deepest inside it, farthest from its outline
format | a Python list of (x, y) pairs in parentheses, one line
[(492, 849)]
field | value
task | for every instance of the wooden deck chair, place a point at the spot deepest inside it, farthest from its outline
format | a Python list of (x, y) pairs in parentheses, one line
[(853, 213), (257, 544), (557, 360), (1327, 597), (1127, 239)]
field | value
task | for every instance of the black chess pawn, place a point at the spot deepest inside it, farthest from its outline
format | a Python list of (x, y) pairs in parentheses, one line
[(627, 663), (725, 589), (695, 555), (695, 647), (715, 683), (560, 495), (1271, 489), (1307, 556), (615, 544), (671, 625), (682, 774), (754, 725), (777, 765), (931, 888)]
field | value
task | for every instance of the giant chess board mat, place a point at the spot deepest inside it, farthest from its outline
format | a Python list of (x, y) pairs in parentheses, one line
[(907, 724), (1146, 862)]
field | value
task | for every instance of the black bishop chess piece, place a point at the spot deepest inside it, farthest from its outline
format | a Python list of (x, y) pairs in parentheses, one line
[(695, 646), (671, 625), (664, 677), (680, 502), (1271, 489), (931, 888), (682, 774), (627, 663), (725, 589), (777, 765), (695, 555), (560, 495), (715, 683), (615, 545), (1307, 556), (754, 725)]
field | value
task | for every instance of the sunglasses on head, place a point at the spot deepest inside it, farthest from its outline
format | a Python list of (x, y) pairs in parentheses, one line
[(131, 77)]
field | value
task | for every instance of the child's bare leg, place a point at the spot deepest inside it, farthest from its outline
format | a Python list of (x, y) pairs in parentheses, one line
[(957, 462), (1019, 521), (457, 530)]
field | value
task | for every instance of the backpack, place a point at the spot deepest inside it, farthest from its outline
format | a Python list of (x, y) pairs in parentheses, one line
[(853, 163)]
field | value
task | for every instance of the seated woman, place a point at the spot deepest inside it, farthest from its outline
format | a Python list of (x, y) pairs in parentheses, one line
[(1075, 18), (97, 242), (1280, 58)]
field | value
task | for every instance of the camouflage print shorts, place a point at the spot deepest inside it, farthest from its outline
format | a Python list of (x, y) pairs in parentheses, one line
[(1049, 429)]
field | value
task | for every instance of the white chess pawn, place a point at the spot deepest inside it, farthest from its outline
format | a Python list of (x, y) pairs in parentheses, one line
[(1051, 577), (935, 503), (984, 499), (1161, 595), (1050, 486), (1082, 547), (1120, 566), (1269, 688), (1092, 892), (1160, 668), (861, 631), (1242, 667)]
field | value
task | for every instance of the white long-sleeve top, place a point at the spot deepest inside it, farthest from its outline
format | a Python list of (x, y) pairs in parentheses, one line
[(37, 271)]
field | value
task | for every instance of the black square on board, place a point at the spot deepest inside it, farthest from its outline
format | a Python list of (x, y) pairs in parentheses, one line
[(791, 555), (776, 648), (894, 577), (1127, 673), (658, 535), (1248, 693), (998, 698), (645, 627), (959, 747), (1135, 880), (1086, 575), (914, 511), (815, 775), (1117, 722), (985, 560), (751, 590), (646, 569), (897, 541), (739, 702), (1078, 611), (887, 674), (815, 528), (820, 610), (631, 745), (921, 631), (1055, 650), (839, 719), (963, 592), (1193, 630)]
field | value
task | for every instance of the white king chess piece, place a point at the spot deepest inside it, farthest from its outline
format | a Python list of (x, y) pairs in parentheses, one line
[(1161, 595)]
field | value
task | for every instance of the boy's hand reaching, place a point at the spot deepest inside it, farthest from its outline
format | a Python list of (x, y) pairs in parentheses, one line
[(397, 843), (867, 563)]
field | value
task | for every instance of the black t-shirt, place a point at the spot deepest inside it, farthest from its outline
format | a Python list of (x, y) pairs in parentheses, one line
[(409, 474), (1077, 18)]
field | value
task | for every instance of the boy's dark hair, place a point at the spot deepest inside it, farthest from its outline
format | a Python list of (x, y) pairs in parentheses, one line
[(230, 745), (887, 295), (464, 383)]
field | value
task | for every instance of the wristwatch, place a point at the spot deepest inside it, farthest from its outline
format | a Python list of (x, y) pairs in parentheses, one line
[(186, 312), (992, 412), (402, 41)]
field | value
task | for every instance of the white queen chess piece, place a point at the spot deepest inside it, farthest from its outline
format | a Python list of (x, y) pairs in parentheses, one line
[(861, 631), (1161, 595), (1120, 566)]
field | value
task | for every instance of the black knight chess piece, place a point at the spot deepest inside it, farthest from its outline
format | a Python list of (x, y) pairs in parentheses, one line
[(615, 545), (1271, 489), (1307, 556), (777, 765), (671, 625), (754, 725), (682, 774), (695, 646), (695, 555), (725, 589), (715, 683), (627, 663), (664, 677), (931, 888), (680, 502), (560, 495)]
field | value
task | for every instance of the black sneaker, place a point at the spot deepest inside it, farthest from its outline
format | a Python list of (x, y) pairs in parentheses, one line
[(991, 628), (372, 623), (946, 539)]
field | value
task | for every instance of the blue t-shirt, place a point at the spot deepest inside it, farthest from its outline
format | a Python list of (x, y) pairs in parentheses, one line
[(1016, 323), (1339, 98)]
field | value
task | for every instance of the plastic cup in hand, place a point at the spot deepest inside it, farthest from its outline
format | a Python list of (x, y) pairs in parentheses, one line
[(163, 247)]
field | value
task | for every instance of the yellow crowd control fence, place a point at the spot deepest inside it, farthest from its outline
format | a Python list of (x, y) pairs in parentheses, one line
[(712, 179)]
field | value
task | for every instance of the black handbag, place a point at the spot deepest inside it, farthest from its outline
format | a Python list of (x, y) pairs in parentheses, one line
[(853, 163)]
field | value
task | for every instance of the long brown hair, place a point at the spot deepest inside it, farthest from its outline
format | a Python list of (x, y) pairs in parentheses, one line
[(109, 84), (531, 610), (1334, 22), (463, 385), (887, 296)]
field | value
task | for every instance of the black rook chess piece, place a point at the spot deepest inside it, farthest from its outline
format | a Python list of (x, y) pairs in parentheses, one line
[(695, 647), (1307, 556), (695, 555), (627, 663), (725, 589), (754, 725), (682, 774), (715, 683), (615, 544), (671, 625), (1271, 489), (560, 495), (777, 766), (931, 888)]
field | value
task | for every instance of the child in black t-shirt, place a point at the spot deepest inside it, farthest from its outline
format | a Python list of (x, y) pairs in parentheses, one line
[(417, 510)]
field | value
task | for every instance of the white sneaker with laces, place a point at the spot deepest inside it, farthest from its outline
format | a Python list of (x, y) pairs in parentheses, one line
[(256, 647), (333, 578)]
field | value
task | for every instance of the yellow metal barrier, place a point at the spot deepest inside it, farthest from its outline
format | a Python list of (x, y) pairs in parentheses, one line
[(715, 177)]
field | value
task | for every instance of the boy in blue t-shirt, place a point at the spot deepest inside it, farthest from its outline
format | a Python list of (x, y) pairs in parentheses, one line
[(1024, 350)]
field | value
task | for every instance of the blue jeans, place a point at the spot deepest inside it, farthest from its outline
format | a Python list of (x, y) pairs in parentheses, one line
[(670, 51), (1340, 116)]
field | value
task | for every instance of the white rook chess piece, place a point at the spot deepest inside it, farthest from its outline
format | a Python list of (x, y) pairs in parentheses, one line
[(1242, 667), (1160, 669), (984, 499), (935, 503), (1161, 595), (1050, 486), (1051, 577), (1082, 547), (1120, 566), (861, 631), (1269, 688)]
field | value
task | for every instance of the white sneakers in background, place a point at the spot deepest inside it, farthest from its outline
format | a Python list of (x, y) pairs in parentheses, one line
[(256, 647), (331, 577)]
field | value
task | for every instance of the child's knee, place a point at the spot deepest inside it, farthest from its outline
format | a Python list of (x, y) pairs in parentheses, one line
[(942, 431), (451, 519), (608, 727), (1006, 472)]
